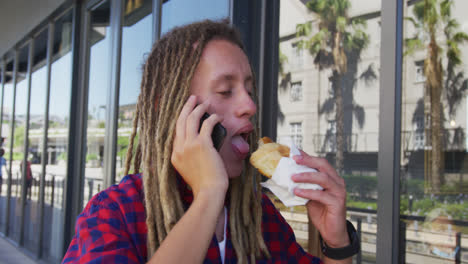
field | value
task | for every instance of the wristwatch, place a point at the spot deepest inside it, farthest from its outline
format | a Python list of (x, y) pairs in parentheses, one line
[(344, 252)]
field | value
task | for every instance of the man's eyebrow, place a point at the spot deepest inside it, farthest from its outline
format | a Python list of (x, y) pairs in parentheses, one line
[(231, 77)]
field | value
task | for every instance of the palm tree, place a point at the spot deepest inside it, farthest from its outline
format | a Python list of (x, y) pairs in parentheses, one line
[(338, 38), (432, 20)]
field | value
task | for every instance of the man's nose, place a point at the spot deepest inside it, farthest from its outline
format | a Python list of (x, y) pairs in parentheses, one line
[(245, 106)]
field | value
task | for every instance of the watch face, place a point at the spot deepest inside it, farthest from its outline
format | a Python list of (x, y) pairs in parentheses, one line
[(344, 252)]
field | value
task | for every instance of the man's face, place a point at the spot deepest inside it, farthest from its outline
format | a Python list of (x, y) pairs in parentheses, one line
[(224, 79)]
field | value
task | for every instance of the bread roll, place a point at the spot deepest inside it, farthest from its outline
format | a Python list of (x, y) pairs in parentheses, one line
[(268, 155)]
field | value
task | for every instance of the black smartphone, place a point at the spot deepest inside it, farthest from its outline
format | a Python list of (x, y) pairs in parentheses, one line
[(218, 134)]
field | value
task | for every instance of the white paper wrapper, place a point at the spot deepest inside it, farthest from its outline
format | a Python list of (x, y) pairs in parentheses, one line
[(281, 184)]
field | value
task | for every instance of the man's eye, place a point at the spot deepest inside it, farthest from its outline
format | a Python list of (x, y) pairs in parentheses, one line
[(225, 93)]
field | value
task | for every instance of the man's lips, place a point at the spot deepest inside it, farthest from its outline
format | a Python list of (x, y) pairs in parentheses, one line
[(244, 131)]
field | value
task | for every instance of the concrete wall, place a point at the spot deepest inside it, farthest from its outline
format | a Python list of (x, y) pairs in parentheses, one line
[(19, 17)]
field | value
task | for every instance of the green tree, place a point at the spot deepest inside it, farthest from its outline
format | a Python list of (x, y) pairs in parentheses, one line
[(339, 37), (19, 137), (437, 33)]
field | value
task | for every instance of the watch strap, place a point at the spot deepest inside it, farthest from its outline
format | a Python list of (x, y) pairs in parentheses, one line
[(343, 252)]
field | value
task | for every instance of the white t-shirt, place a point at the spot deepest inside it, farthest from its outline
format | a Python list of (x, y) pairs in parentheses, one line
[(222, 244)]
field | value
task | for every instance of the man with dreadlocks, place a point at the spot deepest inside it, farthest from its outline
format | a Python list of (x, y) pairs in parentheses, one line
[(191, 203)]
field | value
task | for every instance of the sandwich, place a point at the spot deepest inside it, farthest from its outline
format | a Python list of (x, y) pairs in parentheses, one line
[(275, 162), (266, 158)]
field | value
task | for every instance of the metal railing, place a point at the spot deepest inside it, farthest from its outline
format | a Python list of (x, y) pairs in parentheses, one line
[(360, 215), (452, 139), (354, 142), (54, 188)]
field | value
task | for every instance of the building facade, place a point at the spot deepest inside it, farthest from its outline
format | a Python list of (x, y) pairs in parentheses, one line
[(70, 78)]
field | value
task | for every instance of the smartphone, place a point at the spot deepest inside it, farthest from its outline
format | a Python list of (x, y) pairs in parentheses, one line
[(218, 134)]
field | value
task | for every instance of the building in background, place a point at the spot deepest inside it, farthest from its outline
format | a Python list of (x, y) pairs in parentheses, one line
[(307, 96)]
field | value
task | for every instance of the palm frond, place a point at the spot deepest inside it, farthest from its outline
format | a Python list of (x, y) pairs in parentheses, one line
[(450, 26), (314, 47), (316, 6), (369, 75), (359, 114), (328, 106), (317, 41), (416, 23), (445, 9), (342, 7), (303, 29), (341, 23), (418, 11), (460, 37), (464, 86), (358, 22), (453, 52), (431, 14), (356, 41), (411, 45), (324, 59)]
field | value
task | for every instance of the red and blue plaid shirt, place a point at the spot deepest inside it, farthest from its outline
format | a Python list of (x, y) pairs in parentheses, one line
[(112, 229)]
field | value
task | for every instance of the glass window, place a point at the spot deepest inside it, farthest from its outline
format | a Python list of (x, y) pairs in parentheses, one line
[(181, 12), (296, 133), (18, 122), (36, 139), (98, 86), (335, 114), (434, 117), (57, 137), (6, 128), (419, 71), (297, 55), (296, 92), (136, 43)]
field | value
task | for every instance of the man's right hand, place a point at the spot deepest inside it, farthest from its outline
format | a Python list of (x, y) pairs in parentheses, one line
[(194, 156)]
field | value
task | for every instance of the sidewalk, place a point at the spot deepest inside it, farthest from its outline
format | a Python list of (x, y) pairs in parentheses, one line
[(9, 254)]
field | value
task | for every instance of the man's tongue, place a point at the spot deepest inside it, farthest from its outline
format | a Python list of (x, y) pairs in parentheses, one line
[(239, 144)]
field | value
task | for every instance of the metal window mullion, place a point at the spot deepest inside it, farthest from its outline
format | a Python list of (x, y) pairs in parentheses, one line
[(3, 65), (12, 131), (268, 79), (45, 140), (231, 11), (24, 188), (157, 16), (110, 142), (389, 132), (74, 182), (261, 60)]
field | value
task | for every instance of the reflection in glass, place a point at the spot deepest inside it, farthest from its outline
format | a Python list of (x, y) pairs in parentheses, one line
[(136, 42), (57, 137), (6, 127), (17, 138), (328, 94), (181, 12), (35, 139), (434, 179), (98, 87)]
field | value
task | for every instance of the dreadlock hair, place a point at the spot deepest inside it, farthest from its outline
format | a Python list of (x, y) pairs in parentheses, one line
[(165, 88)]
